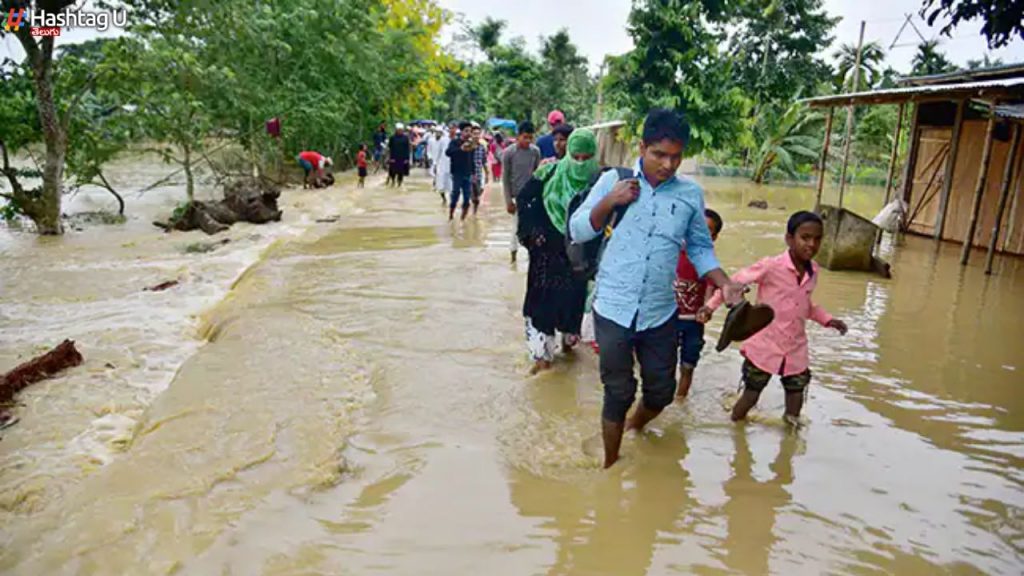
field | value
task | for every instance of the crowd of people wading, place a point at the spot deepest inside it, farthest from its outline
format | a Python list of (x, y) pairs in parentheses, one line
[(620, 258)]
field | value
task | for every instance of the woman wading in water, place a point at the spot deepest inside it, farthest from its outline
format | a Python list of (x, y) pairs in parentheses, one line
[(554, 297)]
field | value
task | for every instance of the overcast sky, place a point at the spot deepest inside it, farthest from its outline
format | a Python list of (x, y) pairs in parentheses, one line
[(598, 27)]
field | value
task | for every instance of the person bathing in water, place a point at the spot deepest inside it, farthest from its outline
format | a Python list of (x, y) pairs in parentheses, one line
[(784, 282), (635, 306)]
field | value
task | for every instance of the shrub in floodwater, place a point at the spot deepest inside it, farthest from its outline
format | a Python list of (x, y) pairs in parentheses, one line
[(9, 212), (179, 210)]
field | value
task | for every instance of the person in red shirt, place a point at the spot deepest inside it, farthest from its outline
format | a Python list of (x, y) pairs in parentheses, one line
[(691, 292), (361, 165), (313, 164)]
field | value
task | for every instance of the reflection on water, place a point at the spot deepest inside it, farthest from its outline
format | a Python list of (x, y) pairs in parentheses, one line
[(360, 406)]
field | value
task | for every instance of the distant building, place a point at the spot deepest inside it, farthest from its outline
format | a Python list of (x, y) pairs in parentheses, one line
[(965, 155)]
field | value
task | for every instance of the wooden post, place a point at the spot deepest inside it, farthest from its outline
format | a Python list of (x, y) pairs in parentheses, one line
[(979, 190), (892, 162), (895, 152), (849, 118), (947, 183), (910, 170), (1004, 194), (1011, 225), (823, 165)]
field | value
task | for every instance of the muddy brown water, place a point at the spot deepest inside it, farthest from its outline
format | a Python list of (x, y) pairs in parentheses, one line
[(351, 398)]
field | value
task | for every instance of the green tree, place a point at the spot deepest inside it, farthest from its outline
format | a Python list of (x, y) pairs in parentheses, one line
[(872, 141), (101, 129), (93, 128), (20, 121), (566, 83), (929, 60), (888, 78), (871, 60), (488, 35), (790, 135), (984, 62), (515, 82), (676, 63), (41, 204), (777, 46), (331, 74), (1002, 19)]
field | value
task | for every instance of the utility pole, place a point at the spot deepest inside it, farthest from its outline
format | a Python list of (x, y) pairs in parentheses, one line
[(849, 116), (600, 93)]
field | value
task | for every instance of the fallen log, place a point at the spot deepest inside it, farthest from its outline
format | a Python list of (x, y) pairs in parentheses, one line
[(65, 355), (246, 200), (161, 286)]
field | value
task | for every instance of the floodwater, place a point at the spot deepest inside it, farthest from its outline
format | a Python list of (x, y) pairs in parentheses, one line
[(351, 397)]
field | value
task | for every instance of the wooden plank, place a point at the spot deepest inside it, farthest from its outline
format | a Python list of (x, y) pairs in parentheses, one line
[(979, 190), (823, 165), (1012, 229), (892, 164), (1004, 194), (911, 166), (947, 182)]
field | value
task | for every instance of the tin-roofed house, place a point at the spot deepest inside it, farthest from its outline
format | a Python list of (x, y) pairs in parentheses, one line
[(963, 175)]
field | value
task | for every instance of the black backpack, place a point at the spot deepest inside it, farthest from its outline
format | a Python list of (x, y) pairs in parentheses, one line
[(586, 257)]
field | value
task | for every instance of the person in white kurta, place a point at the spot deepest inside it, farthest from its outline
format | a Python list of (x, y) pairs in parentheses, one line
[(443, 165), (430, 147)]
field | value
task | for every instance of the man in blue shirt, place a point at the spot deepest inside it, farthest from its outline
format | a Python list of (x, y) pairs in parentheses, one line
[(635, 304)]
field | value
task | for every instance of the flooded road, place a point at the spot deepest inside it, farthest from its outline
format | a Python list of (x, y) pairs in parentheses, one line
[(358, 403)]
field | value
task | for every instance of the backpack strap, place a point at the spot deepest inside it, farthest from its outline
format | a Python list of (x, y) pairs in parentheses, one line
[(620, 212)]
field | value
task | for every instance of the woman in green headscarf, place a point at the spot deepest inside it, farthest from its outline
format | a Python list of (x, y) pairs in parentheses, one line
[(555, 298)]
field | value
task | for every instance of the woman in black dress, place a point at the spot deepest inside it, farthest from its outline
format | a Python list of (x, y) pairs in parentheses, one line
[(555, 297)]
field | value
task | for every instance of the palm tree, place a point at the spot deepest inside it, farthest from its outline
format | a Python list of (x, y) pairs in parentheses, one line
[(984, 63), (872, 57), (787, 138), (488, 35), (929, 60)]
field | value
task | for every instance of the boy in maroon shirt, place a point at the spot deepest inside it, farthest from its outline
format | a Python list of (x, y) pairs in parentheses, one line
[(691, 293)]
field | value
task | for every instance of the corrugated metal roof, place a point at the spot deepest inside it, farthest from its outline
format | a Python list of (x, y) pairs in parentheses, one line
[(1015, 111), (1013, 87), (990, 73)]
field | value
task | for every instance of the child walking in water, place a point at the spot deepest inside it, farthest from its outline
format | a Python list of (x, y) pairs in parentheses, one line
[(784, 282), (361, 165), (691, 293)]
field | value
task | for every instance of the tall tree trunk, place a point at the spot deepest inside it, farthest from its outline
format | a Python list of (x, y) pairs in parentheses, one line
[(48, 220), (189, 181), (43, 206)]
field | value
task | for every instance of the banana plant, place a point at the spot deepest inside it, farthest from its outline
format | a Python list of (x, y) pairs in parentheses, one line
[(787, 139)]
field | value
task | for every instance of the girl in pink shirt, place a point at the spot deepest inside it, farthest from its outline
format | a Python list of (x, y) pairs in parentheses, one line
[(784, 282)]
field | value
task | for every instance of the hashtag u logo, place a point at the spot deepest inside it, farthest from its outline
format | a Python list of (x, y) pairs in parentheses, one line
[(14, 19)]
